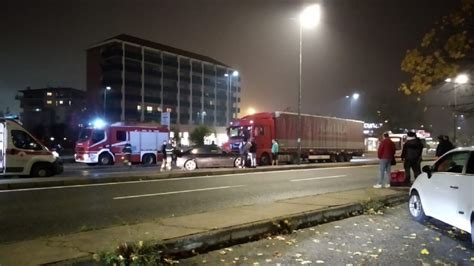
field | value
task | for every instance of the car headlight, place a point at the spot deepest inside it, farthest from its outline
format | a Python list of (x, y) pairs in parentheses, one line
[(55, 154)]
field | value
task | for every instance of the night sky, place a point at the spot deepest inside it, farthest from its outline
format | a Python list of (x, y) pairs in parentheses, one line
[(358, 45)]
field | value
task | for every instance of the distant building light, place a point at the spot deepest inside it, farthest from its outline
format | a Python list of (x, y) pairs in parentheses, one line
[(61, 102), (459, 128), (139, 107), (49, 102), (49, 93), (37, 110), (69, 103), (149, 109), (64, 138), (52, 138)]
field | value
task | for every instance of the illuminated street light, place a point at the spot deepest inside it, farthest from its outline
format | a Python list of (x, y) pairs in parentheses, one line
[(235, 73), (105, 99), (459, 80), (309, 18), (251, 111), (355, 96)]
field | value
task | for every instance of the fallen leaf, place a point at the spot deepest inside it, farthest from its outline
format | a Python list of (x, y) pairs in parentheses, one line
[(268, 260), (259, 254), (306, 262), (320, 261), (424, 252), (298, 255), (222, 252)]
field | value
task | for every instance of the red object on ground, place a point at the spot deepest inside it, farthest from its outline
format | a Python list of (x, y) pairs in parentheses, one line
[(397, 178)]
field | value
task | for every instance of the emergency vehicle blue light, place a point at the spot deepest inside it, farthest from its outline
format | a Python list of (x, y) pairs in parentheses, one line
[(98, 123)]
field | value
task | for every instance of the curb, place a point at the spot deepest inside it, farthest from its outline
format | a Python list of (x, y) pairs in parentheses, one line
[(191, 245)]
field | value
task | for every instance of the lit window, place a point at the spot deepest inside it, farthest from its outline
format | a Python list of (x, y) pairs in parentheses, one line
[(139, 107), (49, 102), (69, 103), (169, 110), (61, 102), (210, 102), (49, 93), (37, 110), (149, 109)]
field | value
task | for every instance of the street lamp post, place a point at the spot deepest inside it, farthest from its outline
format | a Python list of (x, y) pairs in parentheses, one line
[(235, 73), (309, 18), (460, 79), (105, 99)]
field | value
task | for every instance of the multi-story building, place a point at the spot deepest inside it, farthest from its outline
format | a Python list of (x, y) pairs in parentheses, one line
[(131, 79), (53, 112)]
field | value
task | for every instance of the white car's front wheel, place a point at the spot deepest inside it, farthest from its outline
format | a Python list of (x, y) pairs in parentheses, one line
[(416, 208), (190, 165)]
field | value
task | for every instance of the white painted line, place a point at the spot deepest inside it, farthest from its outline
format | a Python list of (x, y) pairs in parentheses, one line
[(178, 179), (175, 192), (317, 178)]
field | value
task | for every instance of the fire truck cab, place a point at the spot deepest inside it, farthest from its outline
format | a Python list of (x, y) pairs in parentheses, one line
[(22, 154), (104, 144)]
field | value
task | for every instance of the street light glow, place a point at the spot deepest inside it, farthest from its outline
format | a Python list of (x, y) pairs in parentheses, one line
[(251, 111), (448, 80), (461, 79), (235, 73), (108, 88), (355, 96), (310, 16)]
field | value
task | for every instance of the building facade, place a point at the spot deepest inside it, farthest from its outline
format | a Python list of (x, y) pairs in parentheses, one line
[(53, 114), (144, 79)]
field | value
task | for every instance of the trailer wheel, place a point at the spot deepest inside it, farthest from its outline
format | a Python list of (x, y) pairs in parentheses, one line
[(41, 170), (340, 157), (105, 159), (265, 159), (332, 158), (149, 159), (347, 158)]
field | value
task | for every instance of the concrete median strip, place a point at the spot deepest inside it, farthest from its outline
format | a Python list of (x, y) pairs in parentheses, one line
[(201, 232)]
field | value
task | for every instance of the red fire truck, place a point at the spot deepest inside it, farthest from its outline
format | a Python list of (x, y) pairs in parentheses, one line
[(322, 138), (104, 144)]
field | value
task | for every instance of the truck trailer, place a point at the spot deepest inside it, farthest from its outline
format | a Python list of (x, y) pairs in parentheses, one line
[(322, 138), (104, 144)]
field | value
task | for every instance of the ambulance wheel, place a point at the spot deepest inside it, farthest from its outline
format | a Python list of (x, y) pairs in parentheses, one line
[(41, 170), (190, 165), (149, 159), (105, 159), (340, 157)]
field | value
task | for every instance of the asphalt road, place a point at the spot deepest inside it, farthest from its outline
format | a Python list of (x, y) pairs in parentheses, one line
[(391, 238), (30, 213)]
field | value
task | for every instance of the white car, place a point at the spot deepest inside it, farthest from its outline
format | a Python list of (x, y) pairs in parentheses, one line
[(444, 191)]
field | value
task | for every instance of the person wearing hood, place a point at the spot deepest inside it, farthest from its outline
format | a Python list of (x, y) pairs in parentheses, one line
[(411, 156), (444, 145)]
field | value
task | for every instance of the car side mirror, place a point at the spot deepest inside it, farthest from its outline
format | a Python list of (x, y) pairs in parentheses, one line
[(427, 170)]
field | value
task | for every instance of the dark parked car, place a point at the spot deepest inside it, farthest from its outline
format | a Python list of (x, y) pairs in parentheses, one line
[(206, 156)]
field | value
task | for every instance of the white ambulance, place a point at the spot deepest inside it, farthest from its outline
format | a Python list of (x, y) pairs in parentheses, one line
[(23, 154)]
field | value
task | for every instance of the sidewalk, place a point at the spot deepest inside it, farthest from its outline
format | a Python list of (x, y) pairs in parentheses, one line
[(202, 231)]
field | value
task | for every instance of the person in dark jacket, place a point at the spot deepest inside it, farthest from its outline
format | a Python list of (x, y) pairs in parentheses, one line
[(411, 156), (385, 153), (444, 145)]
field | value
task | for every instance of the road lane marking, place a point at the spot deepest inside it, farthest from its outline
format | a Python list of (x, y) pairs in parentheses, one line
[(175, 192), (318, 178), (178, 178)]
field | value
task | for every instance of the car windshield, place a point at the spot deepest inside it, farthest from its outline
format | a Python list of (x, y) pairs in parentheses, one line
[(239, 132)]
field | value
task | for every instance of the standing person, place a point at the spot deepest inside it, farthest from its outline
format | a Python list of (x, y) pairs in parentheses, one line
[(244, 149), (444, 145), (163, 151), (411, 157), (275, 151), (170, 148), (253, 153), (127, 151), (386, 153)]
